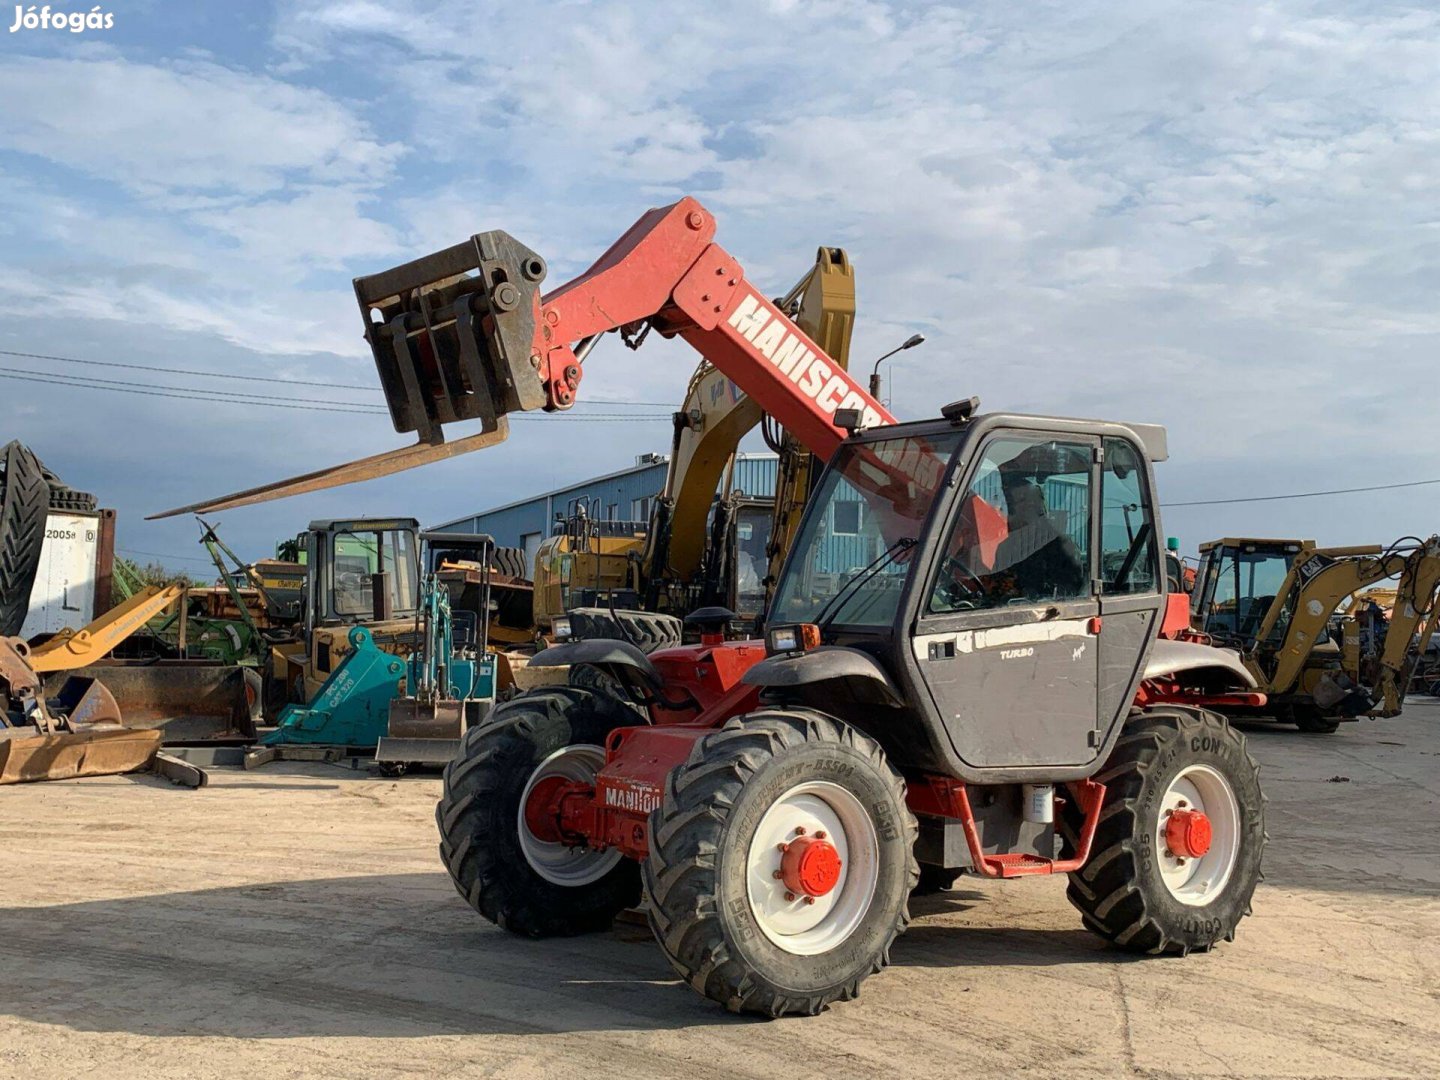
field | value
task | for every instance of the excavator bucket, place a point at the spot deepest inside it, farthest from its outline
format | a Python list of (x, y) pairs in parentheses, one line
[(27, 756), (453, 337), (422, 732), (32, 744)]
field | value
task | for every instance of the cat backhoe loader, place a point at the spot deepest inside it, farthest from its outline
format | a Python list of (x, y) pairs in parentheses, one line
[(966, 689), (1276, 601)]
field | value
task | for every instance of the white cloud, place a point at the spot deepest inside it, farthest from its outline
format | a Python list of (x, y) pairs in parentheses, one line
[(189, 124)]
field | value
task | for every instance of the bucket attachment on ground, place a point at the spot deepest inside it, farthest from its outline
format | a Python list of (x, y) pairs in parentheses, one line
[(71, 729)]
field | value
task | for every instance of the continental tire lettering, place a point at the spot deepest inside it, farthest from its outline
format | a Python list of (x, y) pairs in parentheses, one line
[(885, 826), (1209, 744), (740, 908)]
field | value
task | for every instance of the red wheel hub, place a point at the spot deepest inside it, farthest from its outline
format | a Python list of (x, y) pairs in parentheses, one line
[(810, 866), (1187, 834), (542, 808)]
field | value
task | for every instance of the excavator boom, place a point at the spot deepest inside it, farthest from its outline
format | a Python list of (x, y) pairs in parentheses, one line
[(465, 334)]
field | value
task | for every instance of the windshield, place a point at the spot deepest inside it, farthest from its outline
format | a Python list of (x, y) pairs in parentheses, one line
[(1240, 587), (357, 556), (859, 535)]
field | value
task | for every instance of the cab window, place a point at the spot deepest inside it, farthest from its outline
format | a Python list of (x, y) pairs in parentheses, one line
[(1128, 550), (1022, 534)]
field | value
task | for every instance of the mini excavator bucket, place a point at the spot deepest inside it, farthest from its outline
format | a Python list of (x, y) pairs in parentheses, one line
[(453, 336)]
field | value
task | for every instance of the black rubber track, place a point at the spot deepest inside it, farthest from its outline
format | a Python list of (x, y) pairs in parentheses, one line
[(478, 815), (24, 504), (1118, 891), (646, 630), (699, 840)]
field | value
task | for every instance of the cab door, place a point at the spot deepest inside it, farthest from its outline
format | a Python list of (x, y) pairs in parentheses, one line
[(1006, 640)]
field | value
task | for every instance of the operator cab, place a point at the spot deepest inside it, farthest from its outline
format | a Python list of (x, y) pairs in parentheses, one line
[(1236, 585), (348, 559), (974, 561)]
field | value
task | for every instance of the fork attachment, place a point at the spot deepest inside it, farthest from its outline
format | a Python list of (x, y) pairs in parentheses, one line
[(453, 334)]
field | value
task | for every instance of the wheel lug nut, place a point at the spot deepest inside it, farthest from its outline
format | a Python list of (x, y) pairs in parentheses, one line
[(789, 897), (809, 899), (820, 835), (782, 848), (778, 875), (799, 830)]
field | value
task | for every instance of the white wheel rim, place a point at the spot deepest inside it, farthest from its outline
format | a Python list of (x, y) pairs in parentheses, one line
[(807, 929), (561, 864), (1196, 881)]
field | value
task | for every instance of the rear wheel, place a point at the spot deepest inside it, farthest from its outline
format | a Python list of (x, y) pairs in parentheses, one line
[(781, 862), (499, 837), (1176, 855)]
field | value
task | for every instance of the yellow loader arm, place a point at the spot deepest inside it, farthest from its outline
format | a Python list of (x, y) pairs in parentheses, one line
[(1342, 573), (1416, 610), (71, 649)]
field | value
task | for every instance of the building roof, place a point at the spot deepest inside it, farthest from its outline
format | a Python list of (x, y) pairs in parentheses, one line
[(658, 461)]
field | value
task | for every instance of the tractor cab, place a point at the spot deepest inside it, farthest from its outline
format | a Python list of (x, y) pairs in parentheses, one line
[(1236, 585), (964, 569), (359, 571)]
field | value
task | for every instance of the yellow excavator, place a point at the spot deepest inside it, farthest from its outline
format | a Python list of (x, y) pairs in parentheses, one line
[(1279, 602), (697, 549)]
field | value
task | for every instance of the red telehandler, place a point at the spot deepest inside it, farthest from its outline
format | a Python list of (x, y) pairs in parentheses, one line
[(962, 668)]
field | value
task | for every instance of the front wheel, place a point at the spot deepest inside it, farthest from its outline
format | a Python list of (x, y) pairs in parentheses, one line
[(1176, 855), (781, 863)]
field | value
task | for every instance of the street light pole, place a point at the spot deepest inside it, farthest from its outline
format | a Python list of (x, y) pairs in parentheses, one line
[(909, 343)]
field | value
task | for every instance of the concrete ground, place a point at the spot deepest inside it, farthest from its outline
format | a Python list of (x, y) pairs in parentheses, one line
[(295, 922)]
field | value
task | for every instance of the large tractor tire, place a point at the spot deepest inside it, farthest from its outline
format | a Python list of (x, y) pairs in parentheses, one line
[(505, 863), (511, 562), (646, 630), (1176, 855), (781, 863), (24, 504)]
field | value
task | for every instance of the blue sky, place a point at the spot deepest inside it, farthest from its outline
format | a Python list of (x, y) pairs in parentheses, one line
[(1221, 217)]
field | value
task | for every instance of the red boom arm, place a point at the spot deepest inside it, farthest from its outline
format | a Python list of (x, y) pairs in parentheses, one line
[(667, 270), (465, 334)]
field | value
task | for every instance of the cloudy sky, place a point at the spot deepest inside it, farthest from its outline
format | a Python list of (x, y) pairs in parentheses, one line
[(1221, 217)]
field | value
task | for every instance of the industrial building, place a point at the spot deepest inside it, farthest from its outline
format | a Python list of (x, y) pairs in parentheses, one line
[(625, 495)]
